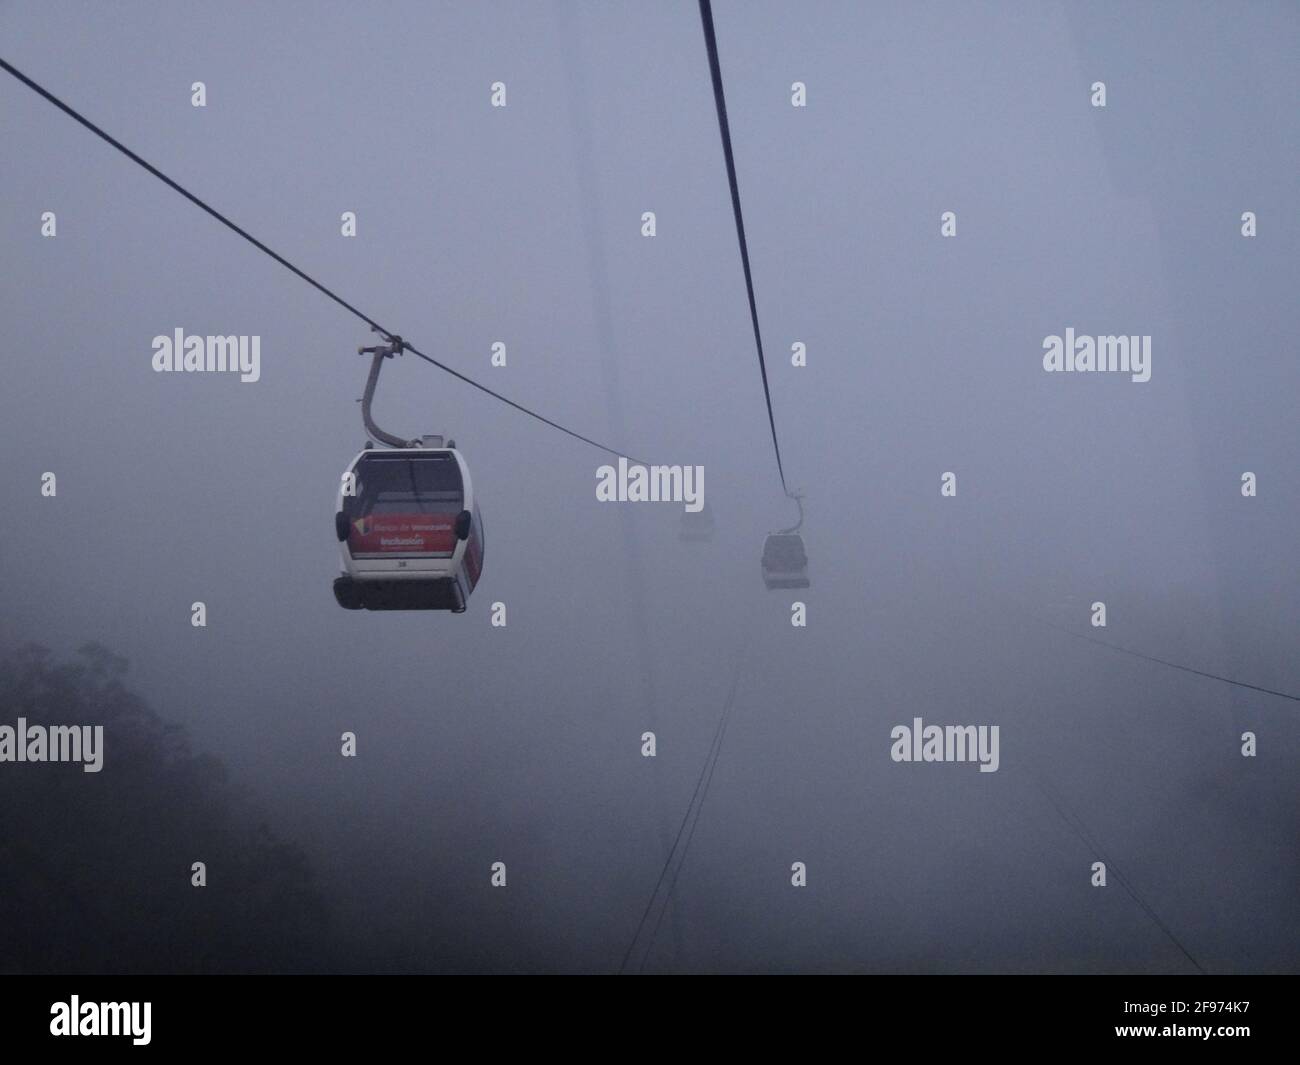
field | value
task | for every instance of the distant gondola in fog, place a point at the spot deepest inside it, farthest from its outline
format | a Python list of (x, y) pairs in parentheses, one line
[(784, 561), (697, 526)]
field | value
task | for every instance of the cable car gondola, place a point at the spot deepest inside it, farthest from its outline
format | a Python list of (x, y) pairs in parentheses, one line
[(784, 561), (697, 527), (408, 525)]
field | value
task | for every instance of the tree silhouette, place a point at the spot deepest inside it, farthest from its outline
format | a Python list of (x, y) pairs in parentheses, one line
[(95, 867)]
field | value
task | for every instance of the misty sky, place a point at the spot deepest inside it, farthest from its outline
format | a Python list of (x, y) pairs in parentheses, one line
[(523, 225)]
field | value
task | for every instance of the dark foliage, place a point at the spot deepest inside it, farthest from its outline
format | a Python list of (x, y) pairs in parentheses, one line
[(95, 868)]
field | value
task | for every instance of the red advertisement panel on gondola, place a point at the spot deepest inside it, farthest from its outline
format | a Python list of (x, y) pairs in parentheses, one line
[(403, 534)]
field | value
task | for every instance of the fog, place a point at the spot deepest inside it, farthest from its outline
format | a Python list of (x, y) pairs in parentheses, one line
[(522, 744)]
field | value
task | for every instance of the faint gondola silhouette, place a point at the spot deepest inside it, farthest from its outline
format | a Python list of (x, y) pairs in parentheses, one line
[(697, 527), (785, 562)]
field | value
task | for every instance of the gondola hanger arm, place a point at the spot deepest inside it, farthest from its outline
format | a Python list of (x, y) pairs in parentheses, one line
[(798, 502), (395, 346)]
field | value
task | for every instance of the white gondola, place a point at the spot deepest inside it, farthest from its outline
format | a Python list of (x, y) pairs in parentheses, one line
[(408, 525), (784, 561), (411, 536)]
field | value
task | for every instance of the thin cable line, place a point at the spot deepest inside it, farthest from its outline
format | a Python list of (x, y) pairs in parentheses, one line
[(699, 809), (649, 906), (114, 142), (1173, 665), (710, 760), (719, 99), (1081, 830)]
